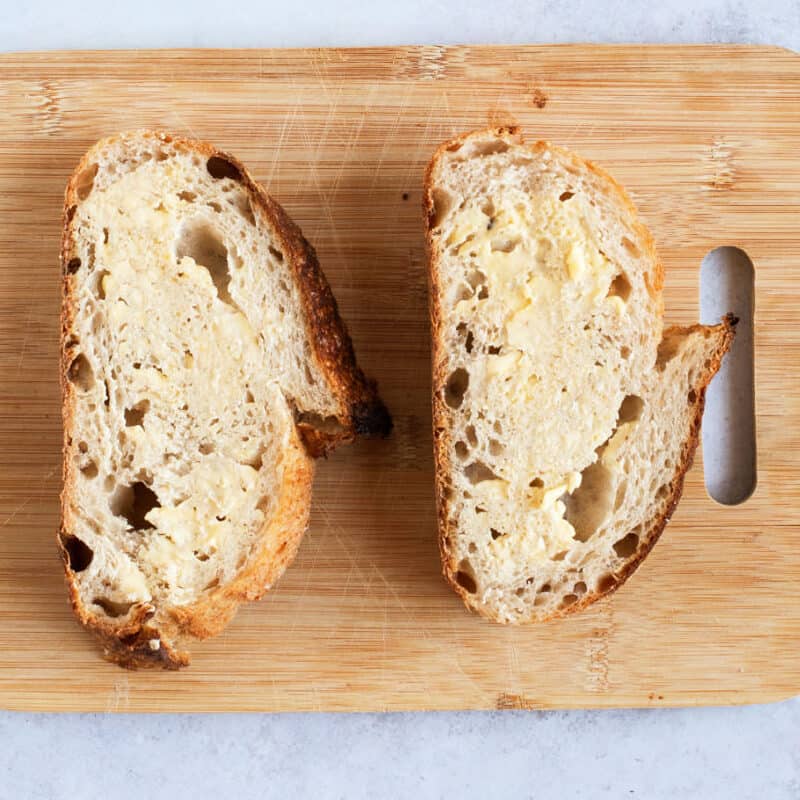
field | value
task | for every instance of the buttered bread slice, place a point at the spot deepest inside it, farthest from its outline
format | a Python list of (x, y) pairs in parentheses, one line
[(564, 420), (204, 367)]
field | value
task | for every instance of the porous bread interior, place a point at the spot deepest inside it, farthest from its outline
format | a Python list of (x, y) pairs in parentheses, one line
[(191, 358), (562, 434)]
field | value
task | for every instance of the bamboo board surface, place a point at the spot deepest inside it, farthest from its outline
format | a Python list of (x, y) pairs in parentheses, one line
[(707, 140)]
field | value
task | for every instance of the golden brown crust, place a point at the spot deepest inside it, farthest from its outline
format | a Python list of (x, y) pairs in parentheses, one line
[(441, 433), (138, 641), (363, 412)]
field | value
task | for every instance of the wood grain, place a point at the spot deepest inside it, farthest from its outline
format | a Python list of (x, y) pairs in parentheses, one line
[(705, 138)]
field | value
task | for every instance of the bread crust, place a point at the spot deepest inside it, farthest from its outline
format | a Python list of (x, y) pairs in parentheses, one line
[(139, 641), (442, 435)]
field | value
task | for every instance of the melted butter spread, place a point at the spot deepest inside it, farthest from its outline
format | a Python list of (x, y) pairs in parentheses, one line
[(545, 276), (194, 353)]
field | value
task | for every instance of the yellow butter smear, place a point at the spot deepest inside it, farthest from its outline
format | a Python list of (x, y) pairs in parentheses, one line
[(166, 311), (540, 261)]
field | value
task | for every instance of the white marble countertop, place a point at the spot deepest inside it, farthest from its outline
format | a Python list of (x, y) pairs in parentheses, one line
[(705, 753)]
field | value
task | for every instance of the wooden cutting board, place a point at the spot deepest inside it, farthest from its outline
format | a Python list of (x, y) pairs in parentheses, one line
[(707, 139)]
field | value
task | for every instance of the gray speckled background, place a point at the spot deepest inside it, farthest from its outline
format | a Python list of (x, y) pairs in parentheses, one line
[(704, 753)]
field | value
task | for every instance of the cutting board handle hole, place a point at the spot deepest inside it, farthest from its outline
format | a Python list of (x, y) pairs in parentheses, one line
[(727, 284)]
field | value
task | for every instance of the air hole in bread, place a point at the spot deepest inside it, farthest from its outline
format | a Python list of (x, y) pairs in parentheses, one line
[(249, 397), (89, 470), (98, 321), (465, 577), (478, 472), (73, 265), (579, 588), (630, 409), (663, 491), (443, 203), (276, 254), (206, 448), (214, 206), (487, 207), (568, 599), (330, 425), (504, 245), (200, 241), (462, 451), (619, 499), (564, 196), (536, 483), (483, 293), (544, 588), (468, 343), (100, 289), (620, 287), (134, 416), (625, 352), (79, 554), (476, 278), (590, 504), (256, 462), (560, 555), (84, 183), (627, 546), (200, 555), (471, 436), (219, 167), (495, 448), (133, 503), (487, 148), (631, 247), (464, 331), (187, 196), (692, 397), (80, 373), (454, 147), (472, 548), (456, 387), (111, 608), (496, 534), (242, 202)]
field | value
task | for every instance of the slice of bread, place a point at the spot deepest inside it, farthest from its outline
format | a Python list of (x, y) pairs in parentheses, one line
[(204, 366), (563, 422)]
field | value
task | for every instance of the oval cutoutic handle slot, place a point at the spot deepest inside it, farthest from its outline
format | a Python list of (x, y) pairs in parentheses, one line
[(727, 283)]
